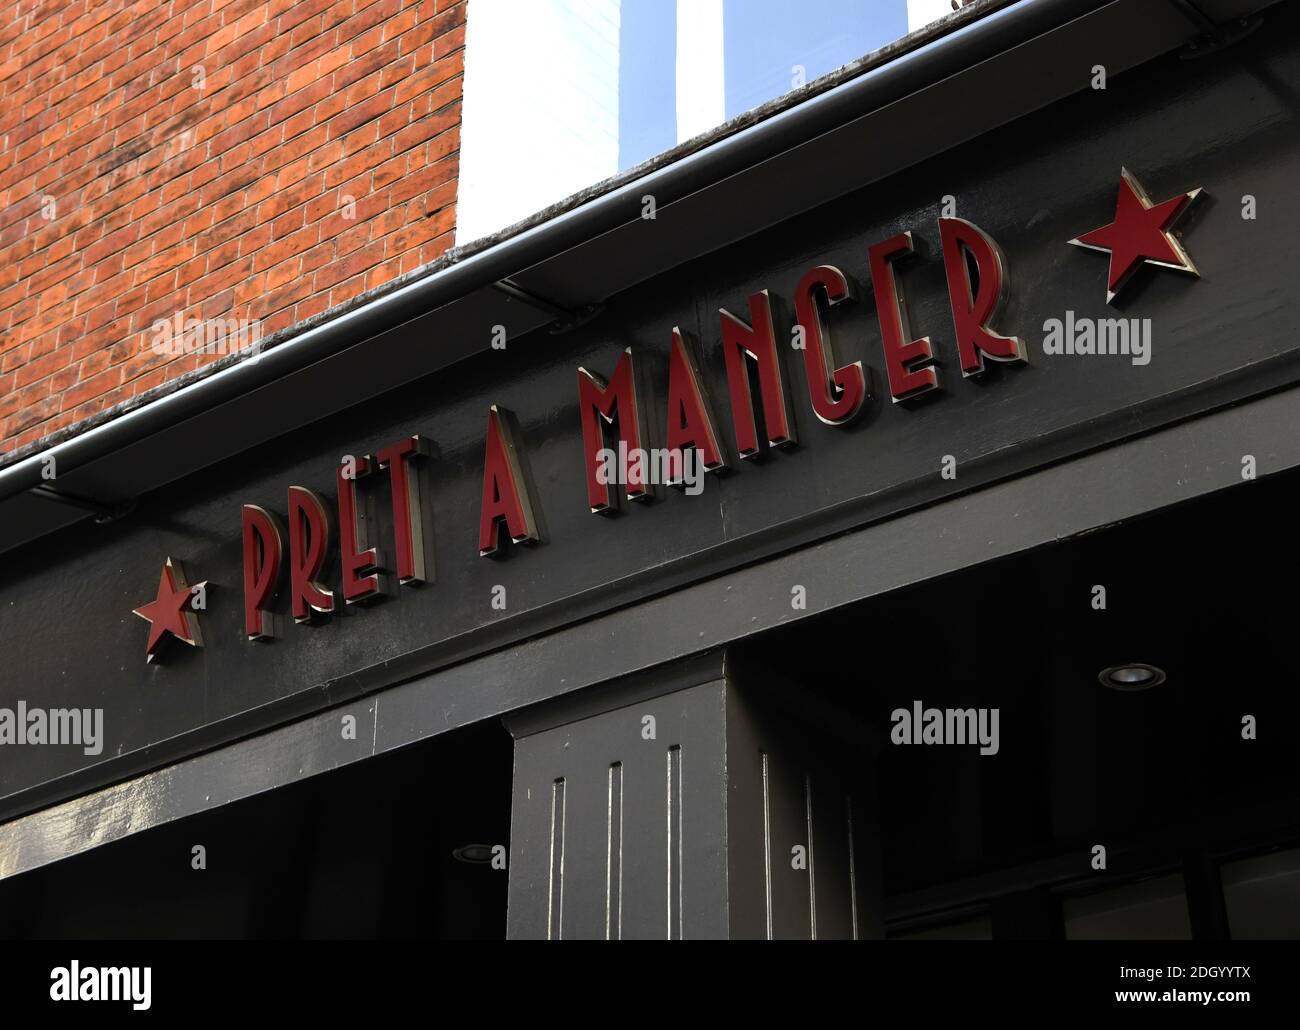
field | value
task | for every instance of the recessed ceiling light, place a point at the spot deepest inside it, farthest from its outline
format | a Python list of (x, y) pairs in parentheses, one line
[(1132, 676), (473, 854)]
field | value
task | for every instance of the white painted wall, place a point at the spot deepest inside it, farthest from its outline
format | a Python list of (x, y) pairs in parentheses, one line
[(921, 12), (540, 115), (701, 95)]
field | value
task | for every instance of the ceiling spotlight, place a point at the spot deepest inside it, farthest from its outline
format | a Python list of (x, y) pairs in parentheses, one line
[(1132, 676), (473, 854)]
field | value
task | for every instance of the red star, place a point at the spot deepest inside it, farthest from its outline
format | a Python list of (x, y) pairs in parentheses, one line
[(1139, 233), (171, 611)]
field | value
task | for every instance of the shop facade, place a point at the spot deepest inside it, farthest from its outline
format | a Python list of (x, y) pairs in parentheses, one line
[(786, 505)]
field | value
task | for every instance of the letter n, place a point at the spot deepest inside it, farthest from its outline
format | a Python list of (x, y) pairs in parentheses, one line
[(740, 344), (690, 418)]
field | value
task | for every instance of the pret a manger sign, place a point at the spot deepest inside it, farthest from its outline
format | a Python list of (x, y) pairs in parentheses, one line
[(285, 558)]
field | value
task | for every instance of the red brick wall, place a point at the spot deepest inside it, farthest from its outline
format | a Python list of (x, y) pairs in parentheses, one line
[(220, 197)]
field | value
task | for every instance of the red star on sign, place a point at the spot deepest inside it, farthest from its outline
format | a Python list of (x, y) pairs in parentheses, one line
[(1140, 233), (171, 611)]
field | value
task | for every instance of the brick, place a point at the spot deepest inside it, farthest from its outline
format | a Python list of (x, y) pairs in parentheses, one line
[(223, 200)]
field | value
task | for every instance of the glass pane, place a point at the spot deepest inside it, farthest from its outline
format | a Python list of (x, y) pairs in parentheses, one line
[(1153, 910), (1263, 896)]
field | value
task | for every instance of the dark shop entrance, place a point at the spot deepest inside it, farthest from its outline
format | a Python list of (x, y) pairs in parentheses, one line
[(1180, 766)]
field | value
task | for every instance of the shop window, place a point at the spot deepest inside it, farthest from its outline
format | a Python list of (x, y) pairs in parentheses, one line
[(1150, 910), (1262, 895)]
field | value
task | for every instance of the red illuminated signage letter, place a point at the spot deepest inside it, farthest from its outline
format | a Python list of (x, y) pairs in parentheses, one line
[(263, 554), (360, 580), (740, 343), (972, 311), (309, 537), (505, 488), (690, 419), (605, 403), (901, 354), (849, 380), (408, 506)]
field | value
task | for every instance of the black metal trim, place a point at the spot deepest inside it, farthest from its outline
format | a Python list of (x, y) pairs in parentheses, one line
[(103, 511)]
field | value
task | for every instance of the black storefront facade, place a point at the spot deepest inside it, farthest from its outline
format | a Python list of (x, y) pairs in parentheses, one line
[(954, 463)]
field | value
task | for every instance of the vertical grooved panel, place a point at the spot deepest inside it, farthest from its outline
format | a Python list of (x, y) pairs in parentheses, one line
[(555, 882), (794, 870), (675, 849), (767, 848), (812, 869), (612, 840), (853, 869), (614, 855)]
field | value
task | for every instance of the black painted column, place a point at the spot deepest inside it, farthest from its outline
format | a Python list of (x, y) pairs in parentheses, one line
[(694, 801)]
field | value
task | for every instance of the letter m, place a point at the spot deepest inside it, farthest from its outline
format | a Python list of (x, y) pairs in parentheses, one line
[(606, 405), (117, 984), (1112, 336)]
